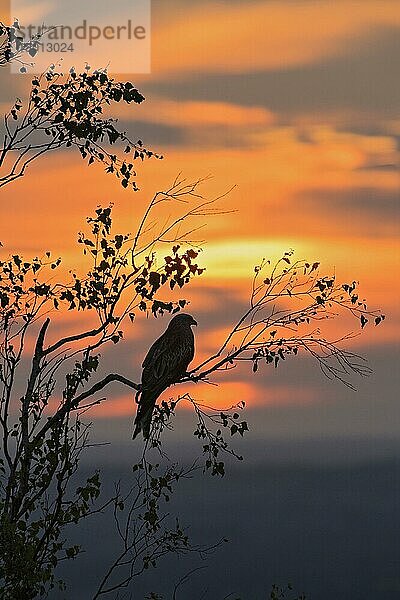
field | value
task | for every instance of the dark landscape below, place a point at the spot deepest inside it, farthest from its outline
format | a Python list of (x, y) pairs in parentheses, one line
[(321, 514)]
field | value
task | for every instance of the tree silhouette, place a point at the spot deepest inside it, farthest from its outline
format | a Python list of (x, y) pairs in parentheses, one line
[(66, 111), (43, 433)]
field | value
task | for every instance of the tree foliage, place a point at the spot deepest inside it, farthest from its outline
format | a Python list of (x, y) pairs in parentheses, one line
[(14, 47), (67, 111)]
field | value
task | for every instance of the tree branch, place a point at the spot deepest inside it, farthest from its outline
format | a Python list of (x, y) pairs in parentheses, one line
[(75, 402)]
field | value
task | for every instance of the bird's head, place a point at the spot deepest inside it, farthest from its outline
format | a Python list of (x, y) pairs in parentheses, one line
[(182, 320)]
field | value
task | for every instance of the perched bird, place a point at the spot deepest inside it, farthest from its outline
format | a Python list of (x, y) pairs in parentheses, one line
[(166, 363)]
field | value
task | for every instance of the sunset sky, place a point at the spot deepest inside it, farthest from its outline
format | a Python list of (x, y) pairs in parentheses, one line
[(290, 112), (296, 103)]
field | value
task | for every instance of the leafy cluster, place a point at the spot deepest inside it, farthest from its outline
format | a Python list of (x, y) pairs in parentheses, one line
[(116, 270), (13, 45), (147, 533), (37, 507), (210, 425), (66, 111), (287, 299), (281, 593), (177, 269)]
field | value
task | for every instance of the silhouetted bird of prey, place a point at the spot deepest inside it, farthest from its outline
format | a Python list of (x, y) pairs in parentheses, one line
[(166, 363)]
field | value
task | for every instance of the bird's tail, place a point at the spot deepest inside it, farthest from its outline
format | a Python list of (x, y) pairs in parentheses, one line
[(145, 412)]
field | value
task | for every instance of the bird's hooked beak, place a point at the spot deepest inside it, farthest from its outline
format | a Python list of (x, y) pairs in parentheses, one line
[(193, 322)]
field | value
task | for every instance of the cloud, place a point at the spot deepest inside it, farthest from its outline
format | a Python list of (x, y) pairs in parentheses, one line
[(381, 207), (160, 134), (258, 36), (197, 113), (364, 80), (190, 123)]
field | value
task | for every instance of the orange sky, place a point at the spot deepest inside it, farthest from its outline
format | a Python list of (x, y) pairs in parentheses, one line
[(277, 98)]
